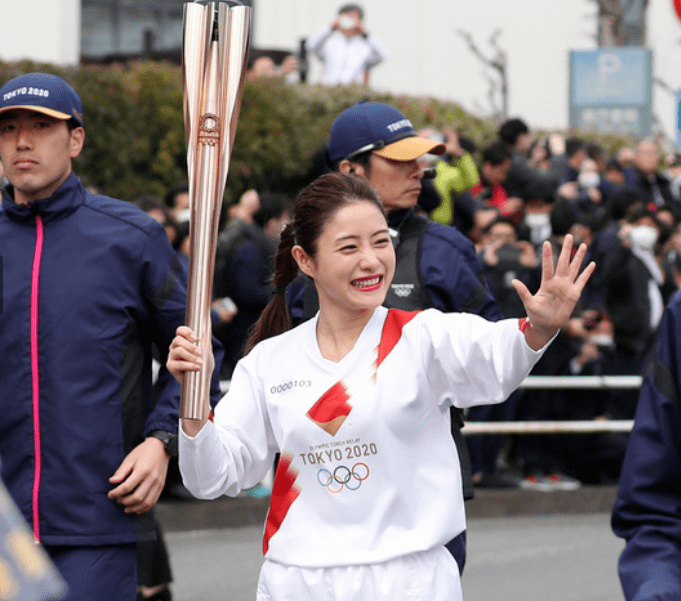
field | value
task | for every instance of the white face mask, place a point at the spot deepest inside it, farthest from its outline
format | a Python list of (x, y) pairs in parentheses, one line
[(536, 221), (183, 215), (643, 237), (588, 179)]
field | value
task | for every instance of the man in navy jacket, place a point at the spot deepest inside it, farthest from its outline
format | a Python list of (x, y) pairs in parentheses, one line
[(647, 513), (90, 283)]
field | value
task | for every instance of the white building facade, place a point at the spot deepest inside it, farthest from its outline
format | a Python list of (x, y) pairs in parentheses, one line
[(40, 30), (426, 54)]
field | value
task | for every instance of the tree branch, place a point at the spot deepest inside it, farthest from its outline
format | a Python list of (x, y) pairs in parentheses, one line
[(498, 64)]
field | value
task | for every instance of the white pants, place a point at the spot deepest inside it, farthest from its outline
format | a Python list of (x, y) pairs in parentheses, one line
[(425, 576)]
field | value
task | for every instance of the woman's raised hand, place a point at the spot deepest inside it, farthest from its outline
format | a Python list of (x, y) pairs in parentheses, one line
[(550, 308)]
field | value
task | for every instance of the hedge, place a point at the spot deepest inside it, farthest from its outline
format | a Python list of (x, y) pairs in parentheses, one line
[(135, 138)]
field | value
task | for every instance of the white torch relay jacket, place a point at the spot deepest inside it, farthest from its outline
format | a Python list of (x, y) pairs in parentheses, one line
[(368, 470)]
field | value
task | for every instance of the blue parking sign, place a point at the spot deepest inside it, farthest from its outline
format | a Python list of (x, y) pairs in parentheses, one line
[(612, 76), (611, 90)]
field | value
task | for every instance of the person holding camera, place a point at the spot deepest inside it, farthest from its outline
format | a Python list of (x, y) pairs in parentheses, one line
[(504, 258), (345, 47), (494, 168)]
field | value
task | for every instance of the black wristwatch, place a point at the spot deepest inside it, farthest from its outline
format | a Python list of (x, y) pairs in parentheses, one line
[(168, 439)]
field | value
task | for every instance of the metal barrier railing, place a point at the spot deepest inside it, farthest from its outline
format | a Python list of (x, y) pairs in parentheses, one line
[(561, 427), (548, 427), (594, 382)]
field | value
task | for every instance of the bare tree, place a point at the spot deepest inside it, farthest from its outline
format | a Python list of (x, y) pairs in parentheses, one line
[(495, 72)]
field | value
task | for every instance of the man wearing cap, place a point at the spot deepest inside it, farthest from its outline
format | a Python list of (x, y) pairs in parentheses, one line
[(436, 264), (89, 284)]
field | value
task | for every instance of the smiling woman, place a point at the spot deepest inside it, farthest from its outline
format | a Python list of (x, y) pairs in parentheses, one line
[(324, 237), (354, 262), (368, 486)]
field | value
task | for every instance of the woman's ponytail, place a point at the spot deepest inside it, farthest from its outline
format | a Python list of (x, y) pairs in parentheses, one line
[(276, 318)]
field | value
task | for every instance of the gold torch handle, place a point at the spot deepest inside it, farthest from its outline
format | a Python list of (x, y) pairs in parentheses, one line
[(215, 49)]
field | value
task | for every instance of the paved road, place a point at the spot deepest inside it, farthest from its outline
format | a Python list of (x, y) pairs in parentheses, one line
[(538, 558), (543, 558)]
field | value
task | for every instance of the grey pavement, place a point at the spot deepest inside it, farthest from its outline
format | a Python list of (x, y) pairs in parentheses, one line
[(569, 557), (215, 565), (244, 510), (557, 557)]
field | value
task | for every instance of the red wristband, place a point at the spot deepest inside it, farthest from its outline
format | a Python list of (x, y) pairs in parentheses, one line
[(523, 324)]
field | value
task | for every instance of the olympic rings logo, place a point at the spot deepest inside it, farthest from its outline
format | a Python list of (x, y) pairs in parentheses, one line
[(342, 477), (209, 129)]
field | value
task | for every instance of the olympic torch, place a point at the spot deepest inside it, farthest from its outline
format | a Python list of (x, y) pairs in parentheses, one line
[(215, 49)]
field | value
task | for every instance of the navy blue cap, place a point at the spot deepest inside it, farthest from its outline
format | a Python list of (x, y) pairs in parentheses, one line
[(43, 93), (380, 128)]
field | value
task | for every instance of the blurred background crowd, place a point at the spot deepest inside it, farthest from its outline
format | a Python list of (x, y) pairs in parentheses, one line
[(506, 186), (509, 197)]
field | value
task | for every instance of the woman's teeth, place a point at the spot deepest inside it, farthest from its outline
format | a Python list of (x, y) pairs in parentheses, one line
[(366, 283)]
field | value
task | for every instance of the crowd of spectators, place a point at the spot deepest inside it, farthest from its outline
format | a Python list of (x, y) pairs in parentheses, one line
[(627, 208), (508, 198)]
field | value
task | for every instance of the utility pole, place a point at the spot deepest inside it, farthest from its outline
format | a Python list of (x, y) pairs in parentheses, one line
[(621, 22)]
